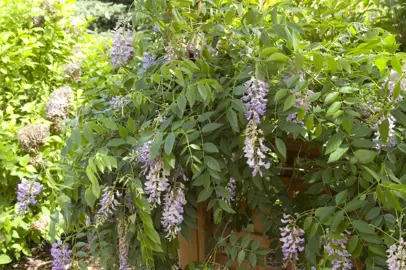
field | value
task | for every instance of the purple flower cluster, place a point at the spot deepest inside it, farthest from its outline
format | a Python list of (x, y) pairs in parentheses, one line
[(170, 54), (255, 104), (337, 249), (108, 204), (157, 177), (255, 150), (231, 187), (172, 214), (292, 239), (27, 191), (293, 117), (397, 256), (391, 135), (122, 49), (254, 98), (148, 60), (123, 245), (61, 255), (118, 102)]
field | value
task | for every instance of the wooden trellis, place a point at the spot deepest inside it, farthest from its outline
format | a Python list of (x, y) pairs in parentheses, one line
[(195, 249)]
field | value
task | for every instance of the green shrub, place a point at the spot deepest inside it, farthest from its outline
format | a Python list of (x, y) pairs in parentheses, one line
[(36, 41)]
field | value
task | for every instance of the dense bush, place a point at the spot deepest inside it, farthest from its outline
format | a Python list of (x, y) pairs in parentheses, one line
[(36, 41), (198, 108)]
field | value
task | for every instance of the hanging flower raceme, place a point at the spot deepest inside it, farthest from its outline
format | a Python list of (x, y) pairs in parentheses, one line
[(122, 49), (397, 256), (148, 60), (337, 249), (231, 187), (123, 244), (255, 150), (172, 214), (27, 191), (292, 239), (61, 256), (255, 101), (255, 104), (118, 103), (108, 204), (157, 177)]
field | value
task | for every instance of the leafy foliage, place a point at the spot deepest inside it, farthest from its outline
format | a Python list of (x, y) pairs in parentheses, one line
[(36, 40)]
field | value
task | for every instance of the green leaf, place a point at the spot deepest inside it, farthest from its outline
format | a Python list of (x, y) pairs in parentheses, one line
[(393, 200), (365, 156), (240, 256), (109, 123), (384, 130), (233, 253), (5, 259), (277, 57), (396, 65), (211, 127), (191, 96), (90, 198), (377, 249), (347, 124), (363, 227), (169, 142), (116, 142), (212, 163), (299, 61), (330, 98), (309, 122), (156, 145), (371, 172), (281, 94), (179, 75), (373, 213), (205, 194), (341, 197), (333, 108), (290, 100), (81, 254), (402, 147), (181, 103), (210, 148), (152, 234), (255, 244), (354, 205), (352, 243), (223, 205), (252, 258), (336, 155), (333, 143), (318, 61), (223, 192), (324, 212), (233, 119), (245, 241), (281, 147)]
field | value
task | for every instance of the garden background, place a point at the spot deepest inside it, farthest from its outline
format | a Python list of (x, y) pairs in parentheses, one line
[(122, 122)]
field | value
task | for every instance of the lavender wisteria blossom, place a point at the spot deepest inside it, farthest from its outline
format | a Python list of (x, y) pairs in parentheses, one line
[(231, 187), (123, 244), (172, 214), (27, 191), (148, 60), (292, 239), (122, 49), (391, 135), (255, 150), (61, 256), (118, 102), (155, 174), (293, 117), (255, 101), (397, 256), (337, 249), (108, 204), (255, 104)]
